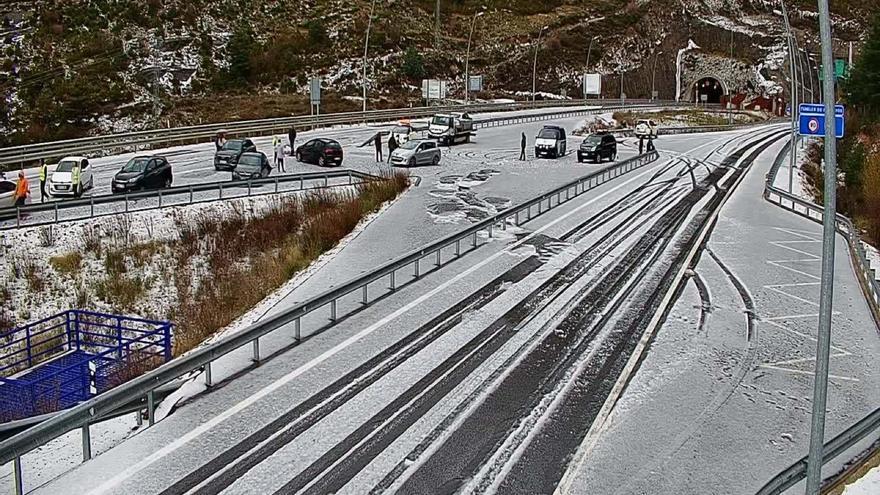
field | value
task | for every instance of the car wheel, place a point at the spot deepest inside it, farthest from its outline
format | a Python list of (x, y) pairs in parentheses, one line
[(436, 160), (411, 162), (168, 181), (321, 161)]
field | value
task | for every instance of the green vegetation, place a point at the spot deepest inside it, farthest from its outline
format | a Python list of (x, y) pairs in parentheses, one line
[(413, 64)]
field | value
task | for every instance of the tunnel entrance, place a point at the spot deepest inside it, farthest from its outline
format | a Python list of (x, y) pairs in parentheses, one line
[(710, 88)]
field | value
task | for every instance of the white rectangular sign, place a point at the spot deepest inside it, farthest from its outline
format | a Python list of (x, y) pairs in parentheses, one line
[(315, 90), (475, 83), (592, 84), (433, 89)]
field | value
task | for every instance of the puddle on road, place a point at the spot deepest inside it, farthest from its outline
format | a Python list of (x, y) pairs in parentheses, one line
[(457, 202)]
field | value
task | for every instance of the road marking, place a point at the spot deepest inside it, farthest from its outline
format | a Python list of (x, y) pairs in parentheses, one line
[(284, 380), (810, 373), (779, 264)]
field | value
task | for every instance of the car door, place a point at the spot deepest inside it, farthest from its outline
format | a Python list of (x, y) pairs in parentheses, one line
[(308, 151)]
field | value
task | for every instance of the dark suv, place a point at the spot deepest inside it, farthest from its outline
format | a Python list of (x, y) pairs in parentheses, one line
[(227, 156), (597, 147), (142, 172)]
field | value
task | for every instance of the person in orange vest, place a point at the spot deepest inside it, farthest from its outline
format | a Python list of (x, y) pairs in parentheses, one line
[(22, 189)]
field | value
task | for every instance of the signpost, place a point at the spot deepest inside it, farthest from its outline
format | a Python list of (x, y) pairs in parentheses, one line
[(433, 89), (592, 84), (475, 84), (812, 120), (315, 95)]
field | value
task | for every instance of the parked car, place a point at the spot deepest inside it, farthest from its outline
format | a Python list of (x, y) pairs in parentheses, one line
[(7, 194), (402, 133), (227, 156), (550, 142), (597, 147), (60, 183), (252, 166), (320, 151), (646, 128), (416, 152), (142, 172)]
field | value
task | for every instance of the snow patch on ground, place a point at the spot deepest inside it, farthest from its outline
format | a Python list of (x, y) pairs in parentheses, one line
[(867, 485)]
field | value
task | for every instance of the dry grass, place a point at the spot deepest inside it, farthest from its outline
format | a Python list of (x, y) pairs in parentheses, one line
[(33, 275), (91, 238), (133, 366), (250, 257), (67, 264), (122, 292)]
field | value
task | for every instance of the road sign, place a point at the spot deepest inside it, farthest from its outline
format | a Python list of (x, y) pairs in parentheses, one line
[(315, 90), (433, 89), (812, 122), (475, 83), (592, 84)]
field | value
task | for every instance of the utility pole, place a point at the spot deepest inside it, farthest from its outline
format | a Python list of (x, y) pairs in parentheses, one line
[(793, 100), (654, 75), (467, 58), (535, 63), (622, 94), (820, 386), (366, 45)]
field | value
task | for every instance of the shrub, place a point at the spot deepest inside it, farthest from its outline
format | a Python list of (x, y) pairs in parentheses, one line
[(91, 237), (121, 292), (114, 262), (413, 64), (67, 264)]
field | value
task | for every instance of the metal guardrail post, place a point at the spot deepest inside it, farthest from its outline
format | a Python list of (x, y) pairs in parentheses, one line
[(126, 202), (209, 382), (438, 262), (92, 206), (365, 300), (17, 479), (276, 185), (333, 310), (416, 268), (256, 357), (160, 198), (86, 442), (151, 408), (393, 285), (56, 212), (297, 331), (190, 194), (17, 216), (221, 191), (475, 239)]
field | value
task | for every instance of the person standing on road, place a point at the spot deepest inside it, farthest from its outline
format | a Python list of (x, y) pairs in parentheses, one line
[(44, 171), (650, 144), (392, 145), (75, 176), (22, 189), (279, 154), (378, 143), (291, 136), (275, 140), (522, 147)]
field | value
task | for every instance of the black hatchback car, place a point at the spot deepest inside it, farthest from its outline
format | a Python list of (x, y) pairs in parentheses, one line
[(597, 147), (227, 156), (142, 172), (321, 152), (252, 166)]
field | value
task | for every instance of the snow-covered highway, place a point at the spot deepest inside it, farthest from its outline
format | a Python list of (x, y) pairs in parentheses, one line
[(490, 372)]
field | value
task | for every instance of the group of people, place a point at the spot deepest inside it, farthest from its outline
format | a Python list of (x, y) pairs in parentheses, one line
[(23, 188), (277, 145), (392, 145)]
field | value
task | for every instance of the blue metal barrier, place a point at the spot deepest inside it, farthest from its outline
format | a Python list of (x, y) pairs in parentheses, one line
[(59, 361)]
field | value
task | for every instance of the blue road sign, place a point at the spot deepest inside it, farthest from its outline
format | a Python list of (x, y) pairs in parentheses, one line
[(812, 121)]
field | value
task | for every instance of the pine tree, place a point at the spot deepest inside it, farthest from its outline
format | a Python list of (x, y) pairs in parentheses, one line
[(240, 48), (864, 84), (413, 64)]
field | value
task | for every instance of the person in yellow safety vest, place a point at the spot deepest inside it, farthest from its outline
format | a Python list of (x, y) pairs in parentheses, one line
[(44, 171), (75, 180)]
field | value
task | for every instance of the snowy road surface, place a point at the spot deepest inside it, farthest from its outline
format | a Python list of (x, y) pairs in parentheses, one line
[(486, 373)]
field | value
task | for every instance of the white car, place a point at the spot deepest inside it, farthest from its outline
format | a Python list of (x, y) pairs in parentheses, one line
[(7, 194), (60, 182), (646, 128), (401, 133)]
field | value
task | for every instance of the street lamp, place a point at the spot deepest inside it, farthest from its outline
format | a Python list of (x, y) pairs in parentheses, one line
[(467, 58), (589, 50), (535, 63), (366, 45), (654, 74)]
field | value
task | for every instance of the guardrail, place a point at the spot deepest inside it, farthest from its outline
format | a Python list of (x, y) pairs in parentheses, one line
[(858, 432), (84, 414), (30, 215), (201, 133)]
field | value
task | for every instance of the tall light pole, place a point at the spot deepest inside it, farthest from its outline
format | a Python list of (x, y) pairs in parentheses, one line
[(820, 386), (437, 26), (366, 45), (794, 99), (654, 74), (589, 51), (535, 63), (622, 94), (467, 58)]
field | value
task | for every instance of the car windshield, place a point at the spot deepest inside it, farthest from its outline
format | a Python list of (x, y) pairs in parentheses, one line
[(400, 130), (233, 145), (444, 121), (137, 164), (65, 166), (250, 160), (549, 134), (409, 145), (593, 139)]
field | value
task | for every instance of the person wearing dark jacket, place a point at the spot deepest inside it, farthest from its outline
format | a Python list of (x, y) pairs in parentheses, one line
[(291, 136), (378, 143), (392, 145), (522, 151)]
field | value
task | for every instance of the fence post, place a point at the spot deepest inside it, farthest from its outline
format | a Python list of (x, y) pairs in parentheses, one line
[(393, 285), (56, 211), (249, 187), (27, 336), (126, 202), (326, 181), (439, 260), (151, 408), (256, 357), (221, 190), (160, 198), (76, 330), (457, 248), (276, 185), (475, 239), (67, 329), (92, 205), (17, 479), (297, 334), (86, 442), (167, 338), (333, 310), (190, 194), (416, 267), (119, 338)]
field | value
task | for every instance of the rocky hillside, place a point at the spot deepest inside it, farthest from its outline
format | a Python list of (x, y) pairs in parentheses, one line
[(77, 67)]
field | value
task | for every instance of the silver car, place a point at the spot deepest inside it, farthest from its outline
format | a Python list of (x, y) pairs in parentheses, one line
[(416, 152)]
